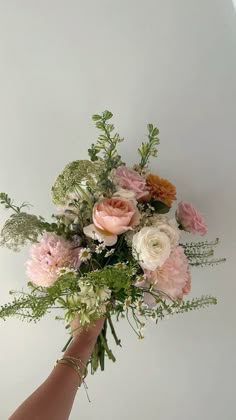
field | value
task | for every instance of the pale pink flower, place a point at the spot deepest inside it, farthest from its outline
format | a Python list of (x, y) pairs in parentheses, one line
[(131, 180), (100, 235), (51, 253), (190, 219), (173, 277), (148, 298), (115, 215)]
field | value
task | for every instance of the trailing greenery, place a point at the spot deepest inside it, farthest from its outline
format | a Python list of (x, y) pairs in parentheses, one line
[(200, 254)]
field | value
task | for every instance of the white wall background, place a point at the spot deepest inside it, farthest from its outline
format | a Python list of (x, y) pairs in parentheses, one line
[(170, 62)]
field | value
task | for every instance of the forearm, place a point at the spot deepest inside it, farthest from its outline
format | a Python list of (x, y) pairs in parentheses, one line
[(53, 400)]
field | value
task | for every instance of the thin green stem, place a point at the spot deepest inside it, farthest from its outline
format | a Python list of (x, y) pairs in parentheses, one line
[(86, 197), (67, 344), (117, 340)]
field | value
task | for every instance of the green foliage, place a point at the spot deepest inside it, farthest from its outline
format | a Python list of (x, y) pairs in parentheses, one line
[(27, 306), (117, 277), (201, 262), (107, 146), (72, 177), (159, 206), (148, 149), (181, 306), (8, 203), (35, 303)]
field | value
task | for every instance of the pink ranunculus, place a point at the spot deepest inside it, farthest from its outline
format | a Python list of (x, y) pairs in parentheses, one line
[(173, 277), (131, 180), (190, 219), (51, 253), (115, 215)]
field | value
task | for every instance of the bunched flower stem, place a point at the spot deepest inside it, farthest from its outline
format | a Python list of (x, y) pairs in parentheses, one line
[(105, 345), (100, 349)]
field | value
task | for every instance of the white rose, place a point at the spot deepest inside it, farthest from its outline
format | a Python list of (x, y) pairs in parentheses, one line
[(151, 247)]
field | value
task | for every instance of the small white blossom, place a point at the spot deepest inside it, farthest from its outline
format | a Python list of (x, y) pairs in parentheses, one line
[(99, 248), (110, 252), (139, 303), (65, 270), (127, 302), (85, 254), (120, 265), (88, 296)]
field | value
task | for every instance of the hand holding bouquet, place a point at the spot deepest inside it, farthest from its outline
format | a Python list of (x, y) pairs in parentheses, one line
[(112, 250)]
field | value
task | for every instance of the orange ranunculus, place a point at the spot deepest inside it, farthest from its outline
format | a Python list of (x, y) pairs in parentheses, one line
[(161, 189)]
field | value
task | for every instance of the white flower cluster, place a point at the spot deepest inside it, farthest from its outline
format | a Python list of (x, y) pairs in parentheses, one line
[(90, 299)]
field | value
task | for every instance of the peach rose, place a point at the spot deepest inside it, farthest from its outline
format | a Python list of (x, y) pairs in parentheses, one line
[(115, 215)]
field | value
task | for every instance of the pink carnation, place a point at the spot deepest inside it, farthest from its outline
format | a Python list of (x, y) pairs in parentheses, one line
[(173, 277), (51, 253), (131, 180), (190, 219)]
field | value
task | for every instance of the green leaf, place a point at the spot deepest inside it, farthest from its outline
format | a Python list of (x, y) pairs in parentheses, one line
[(150, 128), (107, 115), (159, 206), (96, 117), (155, 132)]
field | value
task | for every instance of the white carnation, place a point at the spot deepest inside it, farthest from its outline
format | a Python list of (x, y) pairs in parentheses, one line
[(152, 247)]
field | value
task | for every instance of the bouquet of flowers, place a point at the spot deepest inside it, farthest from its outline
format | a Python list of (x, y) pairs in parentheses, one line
[(111, 249)]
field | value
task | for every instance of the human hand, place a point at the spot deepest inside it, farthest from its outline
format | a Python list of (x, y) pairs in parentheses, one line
[(88, 333)]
